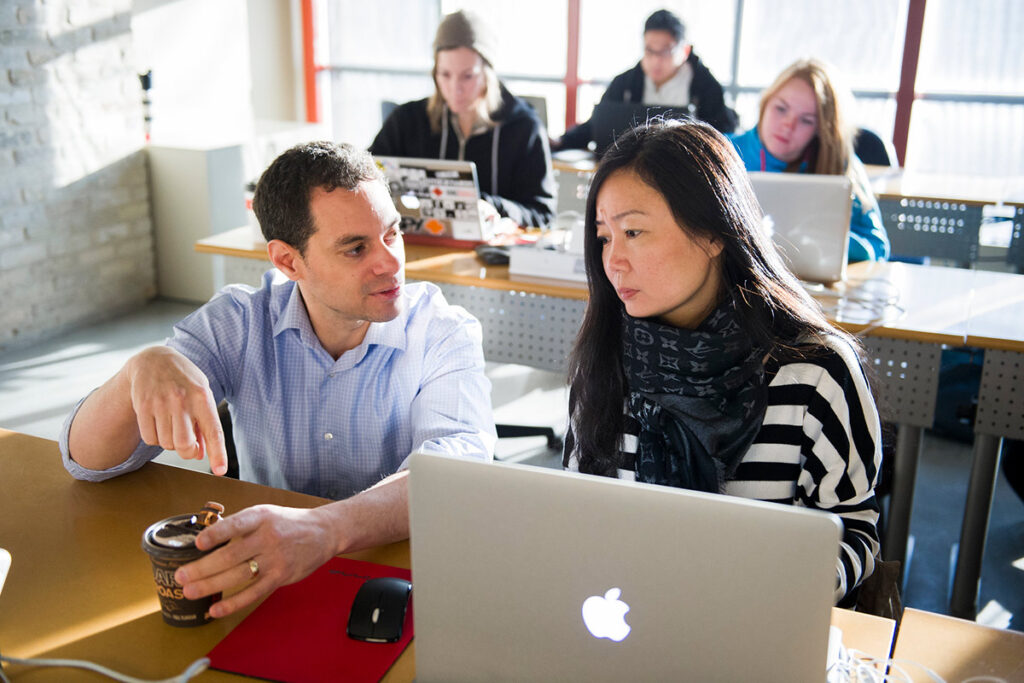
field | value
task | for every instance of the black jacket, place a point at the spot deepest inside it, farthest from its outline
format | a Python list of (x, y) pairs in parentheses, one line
[(520, 185), (705, 95)]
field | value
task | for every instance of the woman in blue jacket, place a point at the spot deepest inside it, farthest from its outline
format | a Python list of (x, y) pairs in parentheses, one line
[(801, 129)]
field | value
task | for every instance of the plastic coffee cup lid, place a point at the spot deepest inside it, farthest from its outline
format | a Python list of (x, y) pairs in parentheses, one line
[(177, 532)]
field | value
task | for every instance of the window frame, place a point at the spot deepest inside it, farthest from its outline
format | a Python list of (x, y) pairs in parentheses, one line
[(315, 73)]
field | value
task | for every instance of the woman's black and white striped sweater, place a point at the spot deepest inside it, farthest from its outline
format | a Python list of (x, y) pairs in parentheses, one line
[(819, 447)]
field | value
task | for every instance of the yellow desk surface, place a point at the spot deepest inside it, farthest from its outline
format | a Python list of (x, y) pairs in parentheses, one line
[(957, 650), (80, 585)]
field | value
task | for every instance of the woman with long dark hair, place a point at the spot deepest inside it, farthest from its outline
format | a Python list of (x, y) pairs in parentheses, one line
[(701, 362)]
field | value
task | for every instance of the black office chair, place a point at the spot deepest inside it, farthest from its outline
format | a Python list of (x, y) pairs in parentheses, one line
[(871, 149), (229, 441), (506, 431), (386, 107)]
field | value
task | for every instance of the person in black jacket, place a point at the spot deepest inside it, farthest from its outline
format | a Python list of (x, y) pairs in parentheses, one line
[(472, 116), (670, 74)]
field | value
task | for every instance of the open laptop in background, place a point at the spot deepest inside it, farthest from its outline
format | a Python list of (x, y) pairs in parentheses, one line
[(5, 566), (437, 199), (523, 573), (611, 119), (809, 218)]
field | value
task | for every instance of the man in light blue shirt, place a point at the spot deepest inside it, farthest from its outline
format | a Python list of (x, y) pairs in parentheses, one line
[(335, 371)]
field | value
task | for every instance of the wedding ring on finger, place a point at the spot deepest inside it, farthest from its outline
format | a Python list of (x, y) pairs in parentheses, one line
[(254, 568)]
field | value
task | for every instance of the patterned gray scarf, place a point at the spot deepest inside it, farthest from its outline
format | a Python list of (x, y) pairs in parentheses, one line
[(699, 396)]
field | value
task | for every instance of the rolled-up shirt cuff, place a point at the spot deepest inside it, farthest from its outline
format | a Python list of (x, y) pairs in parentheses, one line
[(478, 447), (142, 454)]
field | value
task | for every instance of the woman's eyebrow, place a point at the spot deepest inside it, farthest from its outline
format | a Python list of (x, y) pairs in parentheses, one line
[(628, 212)]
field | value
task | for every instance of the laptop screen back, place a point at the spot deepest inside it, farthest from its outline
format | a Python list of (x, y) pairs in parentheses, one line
[(809, 218), (437, 200), (525, 573), (612, 119)]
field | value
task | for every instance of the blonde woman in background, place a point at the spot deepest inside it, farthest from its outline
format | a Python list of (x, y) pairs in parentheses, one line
[(471, 116), (802, 128)]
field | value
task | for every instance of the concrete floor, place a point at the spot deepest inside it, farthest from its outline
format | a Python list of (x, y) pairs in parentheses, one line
[(40, 385)]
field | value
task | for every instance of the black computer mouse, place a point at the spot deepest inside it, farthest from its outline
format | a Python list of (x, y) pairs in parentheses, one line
[(378, 610), (492, 255)]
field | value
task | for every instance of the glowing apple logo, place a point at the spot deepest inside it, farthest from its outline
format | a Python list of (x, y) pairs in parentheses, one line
[(606, 617)]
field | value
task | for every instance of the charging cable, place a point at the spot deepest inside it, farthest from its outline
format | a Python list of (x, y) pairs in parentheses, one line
[(193, 670), (854, 666)]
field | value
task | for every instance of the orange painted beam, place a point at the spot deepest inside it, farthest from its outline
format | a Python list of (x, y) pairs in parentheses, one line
[(572, 59), (309, 68), (908, 76)]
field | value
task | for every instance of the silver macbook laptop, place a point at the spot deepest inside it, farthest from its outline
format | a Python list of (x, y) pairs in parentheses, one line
[(526, 574), (809, 217), (437, 200)]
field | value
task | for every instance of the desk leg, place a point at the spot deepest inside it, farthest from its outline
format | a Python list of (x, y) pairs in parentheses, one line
[(963, 602), (219, 275), (904, 476)]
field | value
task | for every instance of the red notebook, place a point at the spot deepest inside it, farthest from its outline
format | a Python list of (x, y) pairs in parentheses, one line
[(297, 635)]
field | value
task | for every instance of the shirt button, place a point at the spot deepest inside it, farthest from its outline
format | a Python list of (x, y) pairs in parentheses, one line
[(328, 436)]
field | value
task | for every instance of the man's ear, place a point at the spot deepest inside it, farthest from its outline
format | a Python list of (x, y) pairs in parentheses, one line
[(285, 258), (686, 51)]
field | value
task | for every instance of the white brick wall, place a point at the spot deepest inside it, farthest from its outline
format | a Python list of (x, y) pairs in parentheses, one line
[(76, 239)]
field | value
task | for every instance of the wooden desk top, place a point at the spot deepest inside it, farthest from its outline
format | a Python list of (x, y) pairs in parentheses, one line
[(997, 311), (80, 585), (462, 267), (956, 649), (436, 264), (587, 164), (237, 242), (931, 304), (896, 183), (865, 632)]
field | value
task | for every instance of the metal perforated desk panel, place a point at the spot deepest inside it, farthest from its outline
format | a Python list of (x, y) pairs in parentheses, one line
[(940, 215), (1015, 253), (522, 327), (938, 229)]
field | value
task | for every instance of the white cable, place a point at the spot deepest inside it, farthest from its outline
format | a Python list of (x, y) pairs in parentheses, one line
[(854, 666), (193, 670), (879, 305)]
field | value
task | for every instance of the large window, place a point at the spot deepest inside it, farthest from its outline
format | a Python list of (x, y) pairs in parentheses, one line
[(863, 40), (376, 52), (968, 115)]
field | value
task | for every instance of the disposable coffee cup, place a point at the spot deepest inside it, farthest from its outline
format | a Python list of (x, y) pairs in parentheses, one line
[(171, 543)]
